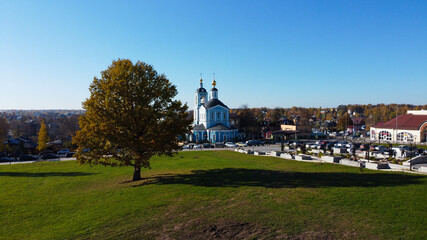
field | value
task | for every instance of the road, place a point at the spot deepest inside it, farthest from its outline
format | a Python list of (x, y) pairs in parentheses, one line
[(49, 160)]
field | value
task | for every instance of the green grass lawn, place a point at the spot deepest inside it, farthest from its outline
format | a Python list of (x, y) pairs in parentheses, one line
[(205, 195)]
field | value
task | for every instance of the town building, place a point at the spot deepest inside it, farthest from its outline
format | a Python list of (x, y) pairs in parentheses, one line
[(211, 117), (407, 128)]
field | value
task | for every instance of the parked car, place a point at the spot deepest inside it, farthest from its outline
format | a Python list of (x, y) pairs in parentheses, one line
[(402, 147), (27, 157), (70, 154), (197, 146), (387, 151), (49, 156), (380, 148), (356, 145), (230, 144), (419, 150), (372, 148), (6, 159), (186, 146), (63, 151), (363, 147), (330, 145), (313, 146), (321, 144), (208, 145), (219, 145), (240, 144), (252, 143)]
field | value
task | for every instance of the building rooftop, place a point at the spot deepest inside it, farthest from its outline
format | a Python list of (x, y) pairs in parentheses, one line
[(406, 121), (199, 127), (214, 102), (219, 127)]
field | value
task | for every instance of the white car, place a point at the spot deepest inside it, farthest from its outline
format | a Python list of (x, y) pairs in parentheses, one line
[(230, 144), (197, 147)]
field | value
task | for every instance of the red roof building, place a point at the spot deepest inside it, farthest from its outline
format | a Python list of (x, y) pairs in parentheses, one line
[(411, 127)]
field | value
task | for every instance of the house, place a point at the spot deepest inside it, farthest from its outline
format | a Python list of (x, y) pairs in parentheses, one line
[(407, 128)]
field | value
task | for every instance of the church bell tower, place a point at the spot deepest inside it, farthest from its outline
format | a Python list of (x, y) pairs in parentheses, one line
[(201, 96)]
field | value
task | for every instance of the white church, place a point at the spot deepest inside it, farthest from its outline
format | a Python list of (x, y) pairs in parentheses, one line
[(211, 117)]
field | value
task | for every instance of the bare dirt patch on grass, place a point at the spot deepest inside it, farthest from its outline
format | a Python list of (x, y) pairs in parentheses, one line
[(224, 229)]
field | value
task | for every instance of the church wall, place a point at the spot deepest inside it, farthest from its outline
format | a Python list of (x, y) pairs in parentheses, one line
[(202, 116), (223, 116)]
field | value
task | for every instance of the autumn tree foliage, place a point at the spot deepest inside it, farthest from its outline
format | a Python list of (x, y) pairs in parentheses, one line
[(344, 121), (130, 116), (4, 129), (43, 138)]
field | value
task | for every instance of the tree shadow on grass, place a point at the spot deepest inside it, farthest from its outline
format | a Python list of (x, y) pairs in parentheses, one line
[(236, 177), (44, 174)]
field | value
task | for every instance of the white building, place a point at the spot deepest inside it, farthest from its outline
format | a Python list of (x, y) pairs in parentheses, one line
[(211, 120), (407, 128)]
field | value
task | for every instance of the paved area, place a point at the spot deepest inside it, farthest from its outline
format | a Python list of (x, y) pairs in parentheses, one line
[(49, 160)]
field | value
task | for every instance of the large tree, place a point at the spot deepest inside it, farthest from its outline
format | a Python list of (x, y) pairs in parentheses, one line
[(130, 116)]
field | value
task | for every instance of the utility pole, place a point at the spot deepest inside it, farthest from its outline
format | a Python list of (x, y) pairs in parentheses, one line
[(397, 116)]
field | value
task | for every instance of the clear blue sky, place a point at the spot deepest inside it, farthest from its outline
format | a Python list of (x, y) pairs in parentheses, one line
[(264, 53)]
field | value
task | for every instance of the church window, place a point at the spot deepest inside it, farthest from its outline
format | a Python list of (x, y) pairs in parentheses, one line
[(212, 116), (218, 116)]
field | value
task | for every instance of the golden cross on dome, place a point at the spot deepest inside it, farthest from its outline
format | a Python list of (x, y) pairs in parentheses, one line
[(214, 82)]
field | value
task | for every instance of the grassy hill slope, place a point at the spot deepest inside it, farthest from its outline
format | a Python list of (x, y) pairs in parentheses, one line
[(216, 194)]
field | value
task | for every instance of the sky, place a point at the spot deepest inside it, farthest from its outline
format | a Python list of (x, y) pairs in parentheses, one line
[(263, 53)]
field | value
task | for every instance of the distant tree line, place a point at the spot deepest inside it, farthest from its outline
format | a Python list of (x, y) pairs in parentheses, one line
[(63, 125), (58, 127), (253, 120)]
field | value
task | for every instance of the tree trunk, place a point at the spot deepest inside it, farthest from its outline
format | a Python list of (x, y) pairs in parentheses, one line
[(136, 174)]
